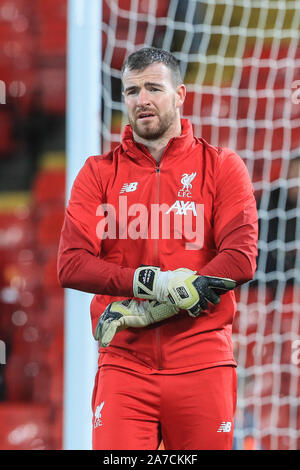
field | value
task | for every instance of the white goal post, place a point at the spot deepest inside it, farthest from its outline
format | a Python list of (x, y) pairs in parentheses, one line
[(83, 140)]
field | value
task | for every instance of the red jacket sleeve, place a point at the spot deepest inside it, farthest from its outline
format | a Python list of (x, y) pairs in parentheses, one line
[(235, 222), (79, 255)]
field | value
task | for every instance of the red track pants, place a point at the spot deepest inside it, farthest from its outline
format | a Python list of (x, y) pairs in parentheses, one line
[(191, 411)]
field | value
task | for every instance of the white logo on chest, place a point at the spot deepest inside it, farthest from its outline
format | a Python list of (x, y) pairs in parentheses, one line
[(182, 207), (186, 182), (129, 187)]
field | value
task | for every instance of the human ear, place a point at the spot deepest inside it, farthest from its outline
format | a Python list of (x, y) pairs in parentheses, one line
[(180, 95)]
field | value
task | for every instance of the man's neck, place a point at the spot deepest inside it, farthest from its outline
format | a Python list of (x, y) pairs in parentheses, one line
[(157, 147)]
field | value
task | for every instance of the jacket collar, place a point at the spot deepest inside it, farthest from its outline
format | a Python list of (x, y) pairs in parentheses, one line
[(177, 145)]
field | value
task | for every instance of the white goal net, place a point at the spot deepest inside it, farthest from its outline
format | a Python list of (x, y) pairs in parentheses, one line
[(241, 64)]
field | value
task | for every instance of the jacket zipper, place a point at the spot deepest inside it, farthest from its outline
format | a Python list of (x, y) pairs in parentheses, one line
[(156, 251), (155, 247), (156, 263)]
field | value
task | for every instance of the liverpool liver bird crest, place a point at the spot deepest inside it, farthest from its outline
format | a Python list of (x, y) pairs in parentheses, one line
[(186, 182)]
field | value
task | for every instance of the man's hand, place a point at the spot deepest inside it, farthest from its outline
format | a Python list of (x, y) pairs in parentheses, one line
[(129, 313), (182, 288)]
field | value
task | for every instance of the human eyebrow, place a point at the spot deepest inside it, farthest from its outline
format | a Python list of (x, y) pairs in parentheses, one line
[(147, 85), (130, 88), (153, 84)]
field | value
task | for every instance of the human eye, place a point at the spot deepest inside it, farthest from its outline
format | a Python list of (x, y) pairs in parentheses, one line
[(131, 91)]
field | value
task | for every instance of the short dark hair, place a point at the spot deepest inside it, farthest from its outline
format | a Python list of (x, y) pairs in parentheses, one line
[(142, 58)]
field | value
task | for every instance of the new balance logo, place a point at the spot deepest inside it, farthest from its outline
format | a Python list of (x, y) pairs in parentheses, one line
[(225, 427), (129, 187)]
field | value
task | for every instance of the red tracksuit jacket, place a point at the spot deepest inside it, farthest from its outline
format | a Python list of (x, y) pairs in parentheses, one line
[(194, 209)]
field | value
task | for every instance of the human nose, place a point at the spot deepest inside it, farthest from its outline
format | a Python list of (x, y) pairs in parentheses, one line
[(143, 97)]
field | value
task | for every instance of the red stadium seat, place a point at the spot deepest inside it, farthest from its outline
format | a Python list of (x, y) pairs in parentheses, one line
[(17, 49), (122, 29), (17, 231), (57, 427), (290, 324), (55, 361), (25, 426), (49, 187), (279, 418), (266, 77), (52, 39), (28, 272), (50, 276), (143, 7), (254, 303), (56, 9), (49, 228), (18, 385), (35, 365), (53, 86), (7, 141), (253, 325), (120, 51), (290, 315)]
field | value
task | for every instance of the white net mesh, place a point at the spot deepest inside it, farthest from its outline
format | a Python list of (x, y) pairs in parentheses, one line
[(241, 64)]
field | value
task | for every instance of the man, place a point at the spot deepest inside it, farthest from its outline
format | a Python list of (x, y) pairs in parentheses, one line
[(169, 223)]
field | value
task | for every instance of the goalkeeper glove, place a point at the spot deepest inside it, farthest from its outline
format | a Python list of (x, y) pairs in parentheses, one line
[(129, 313), (182, 287)]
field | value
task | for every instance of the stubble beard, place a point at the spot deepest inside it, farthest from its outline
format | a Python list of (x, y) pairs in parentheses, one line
[(154, 133)]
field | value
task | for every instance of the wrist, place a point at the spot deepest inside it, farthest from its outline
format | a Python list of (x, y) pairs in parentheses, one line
[(161, 288)]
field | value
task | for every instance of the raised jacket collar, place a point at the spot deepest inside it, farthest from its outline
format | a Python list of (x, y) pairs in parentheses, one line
[(176, 145)]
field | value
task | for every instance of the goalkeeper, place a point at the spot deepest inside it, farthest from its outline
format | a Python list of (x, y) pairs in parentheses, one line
[(164, 304)]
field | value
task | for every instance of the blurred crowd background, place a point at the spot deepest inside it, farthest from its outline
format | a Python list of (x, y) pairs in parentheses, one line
[(240, 60), (32, 201)]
